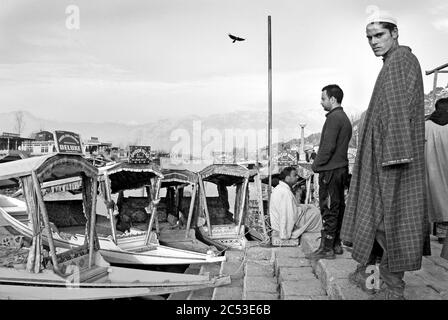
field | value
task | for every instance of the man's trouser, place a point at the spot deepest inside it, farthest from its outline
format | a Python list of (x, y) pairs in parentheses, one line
[(394, 280), (331, 200)]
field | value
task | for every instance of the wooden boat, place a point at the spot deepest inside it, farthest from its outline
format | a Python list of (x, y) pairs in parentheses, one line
[(83, 268), (222, 228), (123, 176), (181, 236), (116, 247), (79, 281)]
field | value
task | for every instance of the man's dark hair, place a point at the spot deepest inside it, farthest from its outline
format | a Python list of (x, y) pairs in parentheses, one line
[(285, 172), (389, 26), (442, 104), (333, 90)]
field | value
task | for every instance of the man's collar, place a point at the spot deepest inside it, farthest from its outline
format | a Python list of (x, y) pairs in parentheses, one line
[(332, 110), (284, 184), (389, 53)]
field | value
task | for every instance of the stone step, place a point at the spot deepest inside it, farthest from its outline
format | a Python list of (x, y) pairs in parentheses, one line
[(333, 274), (428, 283), (234, 267), (307, 287), (260, 282)]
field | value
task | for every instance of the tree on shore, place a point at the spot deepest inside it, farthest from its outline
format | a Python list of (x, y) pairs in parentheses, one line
[(19, 122)]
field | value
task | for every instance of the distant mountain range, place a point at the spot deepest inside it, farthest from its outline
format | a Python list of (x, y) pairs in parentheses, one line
[(157, 134)]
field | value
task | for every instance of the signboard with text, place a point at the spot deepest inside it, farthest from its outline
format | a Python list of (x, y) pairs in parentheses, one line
[(139, 154), (67, 142), (285, 159)]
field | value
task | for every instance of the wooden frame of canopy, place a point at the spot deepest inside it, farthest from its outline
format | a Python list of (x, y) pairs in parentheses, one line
[(225, 175), (32, 172), (436, 72), (124, 176), (255, 177), (179, 179)]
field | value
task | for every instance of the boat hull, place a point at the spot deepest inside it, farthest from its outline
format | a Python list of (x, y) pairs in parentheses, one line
[(100, 281), (130, 249)]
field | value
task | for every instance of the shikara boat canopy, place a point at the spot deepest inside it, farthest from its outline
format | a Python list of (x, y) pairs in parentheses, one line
[(32, 172), (175, 177), (48, 167), (226, 174), (125, 176)]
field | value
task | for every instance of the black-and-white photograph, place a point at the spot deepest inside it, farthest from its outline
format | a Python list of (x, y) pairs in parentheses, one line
[(237, 152)]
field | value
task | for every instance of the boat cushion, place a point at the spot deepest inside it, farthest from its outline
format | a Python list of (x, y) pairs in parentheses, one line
[(11, 241), (66, 213), (10, 256)]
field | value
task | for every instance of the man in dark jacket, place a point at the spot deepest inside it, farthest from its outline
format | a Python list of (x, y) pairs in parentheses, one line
[(332, 165)]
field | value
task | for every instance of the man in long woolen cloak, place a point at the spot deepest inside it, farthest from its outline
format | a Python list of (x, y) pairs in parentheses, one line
[(386, 203)]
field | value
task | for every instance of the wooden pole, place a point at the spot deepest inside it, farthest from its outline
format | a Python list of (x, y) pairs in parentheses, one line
[(149, 210), (156, 192), (108, 196), (190, 211), (269, 110), (153, 208), (308, 190), (243, 202), (204, 201), (92, 220), (260, 203), (43, 211), (434, 89)]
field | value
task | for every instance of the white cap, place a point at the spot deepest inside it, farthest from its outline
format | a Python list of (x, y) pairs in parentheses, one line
[(381, 16)]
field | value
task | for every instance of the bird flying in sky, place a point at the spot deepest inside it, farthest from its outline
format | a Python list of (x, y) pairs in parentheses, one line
[(234, 38)]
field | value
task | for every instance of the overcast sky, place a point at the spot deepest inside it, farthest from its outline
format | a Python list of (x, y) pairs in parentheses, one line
[(139, 61)]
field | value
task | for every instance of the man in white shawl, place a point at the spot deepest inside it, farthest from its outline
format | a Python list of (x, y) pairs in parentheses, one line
[(289, 219), (436, 155)]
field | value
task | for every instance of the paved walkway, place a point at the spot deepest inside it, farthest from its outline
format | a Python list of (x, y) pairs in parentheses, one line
[(428, 283), (260, 273), (274, 273)]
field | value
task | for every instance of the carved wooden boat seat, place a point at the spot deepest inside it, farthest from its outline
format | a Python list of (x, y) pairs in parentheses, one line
[(13, 256), (76, 262)]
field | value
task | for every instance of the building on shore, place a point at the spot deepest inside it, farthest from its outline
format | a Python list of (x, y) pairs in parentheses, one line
[(41, 143), (11, 141)]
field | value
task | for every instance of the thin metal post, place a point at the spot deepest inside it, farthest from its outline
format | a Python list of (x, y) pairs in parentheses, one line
[(269, 110)]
